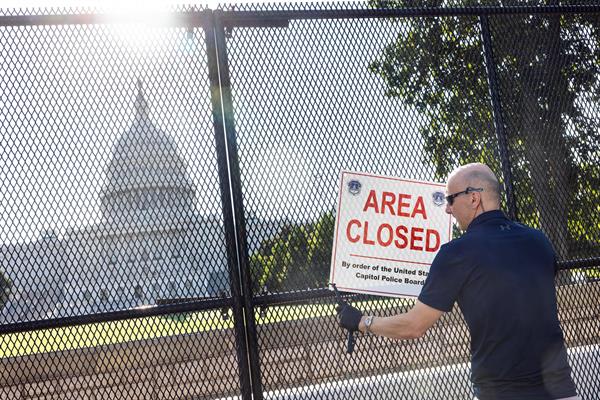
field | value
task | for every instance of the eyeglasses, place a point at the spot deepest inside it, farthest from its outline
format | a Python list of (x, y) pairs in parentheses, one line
[(450, 198)]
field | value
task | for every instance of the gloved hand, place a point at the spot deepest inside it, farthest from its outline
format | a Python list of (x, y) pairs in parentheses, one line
[(348, 316)]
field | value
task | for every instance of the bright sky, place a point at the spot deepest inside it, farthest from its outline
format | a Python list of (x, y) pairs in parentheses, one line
[(121, 5), (300, 118)]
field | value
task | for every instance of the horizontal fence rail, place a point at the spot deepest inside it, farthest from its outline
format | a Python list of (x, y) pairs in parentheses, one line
[(122, 315)]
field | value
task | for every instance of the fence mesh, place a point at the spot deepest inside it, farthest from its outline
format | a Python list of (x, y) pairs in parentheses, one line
[(307, 109), (377, 96), (109, 178), (549, 86), (112, 204), (111, 201)]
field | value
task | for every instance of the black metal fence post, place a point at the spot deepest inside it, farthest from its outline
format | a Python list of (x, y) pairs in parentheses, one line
[(498, 118), (238, 207), (226, 201)]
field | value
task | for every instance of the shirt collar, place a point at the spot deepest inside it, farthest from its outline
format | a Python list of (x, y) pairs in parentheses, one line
[(486, 216)]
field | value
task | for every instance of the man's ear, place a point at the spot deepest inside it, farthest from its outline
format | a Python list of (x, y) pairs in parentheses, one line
[(475, 199)]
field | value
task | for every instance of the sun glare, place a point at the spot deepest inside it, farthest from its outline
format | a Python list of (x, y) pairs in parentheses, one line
[(136, 26), (122, 7)]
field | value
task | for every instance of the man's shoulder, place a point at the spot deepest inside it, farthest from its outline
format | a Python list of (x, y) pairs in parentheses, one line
[(534, 232), (502, 226), (476, 240)]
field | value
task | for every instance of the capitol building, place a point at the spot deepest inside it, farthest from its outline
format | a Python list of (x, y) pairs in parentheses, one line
[(150, 243)]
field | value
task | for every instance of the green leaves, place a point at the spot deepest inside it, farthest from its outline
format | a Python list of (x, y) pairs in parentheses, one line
[(297, 258), (547, 68)]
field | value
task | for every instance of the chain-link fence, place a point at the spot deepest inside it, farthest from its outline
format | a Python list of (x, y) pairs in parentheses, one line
[(169, 187), (114, 256)]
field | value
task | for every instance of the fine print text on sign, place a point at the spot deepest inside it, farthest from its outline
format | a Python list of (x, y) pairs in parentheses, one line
[(387, 232)]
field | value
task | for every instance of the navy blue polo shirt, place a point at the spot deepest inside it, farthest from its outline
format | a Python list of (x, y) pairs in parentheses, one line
[(501, 274)]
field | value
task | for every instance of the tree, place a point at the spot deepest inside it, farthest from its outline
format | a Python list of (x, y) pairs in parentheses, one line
[(297, 258), (548, 70)]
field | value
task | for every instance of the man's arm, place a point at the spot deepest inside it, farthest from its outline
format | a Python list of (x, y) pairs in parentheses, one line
[(410, 325)]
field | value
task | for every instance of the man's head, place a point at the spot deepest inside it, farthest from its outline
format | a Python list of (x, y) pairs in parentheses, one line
[(477, 190)]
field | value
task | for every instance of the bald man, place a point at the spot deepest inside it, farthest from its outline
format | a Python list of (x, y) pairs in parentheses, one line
[(501, 274)]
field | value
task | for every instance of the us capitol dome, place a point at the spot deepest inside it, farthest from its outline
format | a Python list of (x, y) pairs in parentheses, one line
[(149, 245)]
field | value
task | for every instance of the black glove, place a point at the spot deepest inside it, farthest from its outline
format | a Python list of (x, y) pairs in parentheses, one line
[(348, 316)]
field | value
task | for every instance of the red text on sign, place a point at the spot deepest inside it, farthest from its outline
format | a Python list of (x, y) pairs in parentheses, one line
[(399, 204), (415, 238)]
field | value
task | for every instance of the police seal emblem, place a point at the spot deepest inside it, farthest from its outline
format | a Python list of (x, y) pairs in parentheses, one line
[(438, 198), (354, 187)]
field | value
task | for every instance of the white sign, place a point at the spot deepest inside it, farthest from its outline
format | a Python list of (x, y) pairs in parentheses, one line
[(387, 233)]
